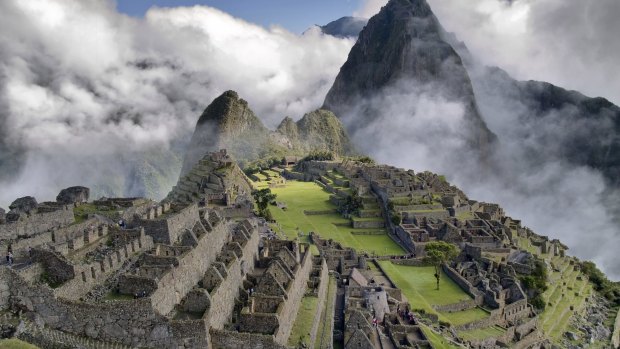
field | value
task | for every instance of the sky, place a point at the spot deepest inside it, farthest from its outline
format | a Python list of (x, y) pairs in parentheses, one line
[(295, 15)]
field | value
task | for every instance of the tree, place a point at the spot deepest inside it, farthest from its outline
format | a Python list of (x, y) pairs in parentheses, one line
[(439, 253), (263, 197)]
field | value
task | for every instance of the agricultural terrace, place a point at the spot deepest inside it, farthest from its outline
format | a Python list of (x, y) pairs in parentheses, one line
[(567, 294), (419, 286), (301, 198)]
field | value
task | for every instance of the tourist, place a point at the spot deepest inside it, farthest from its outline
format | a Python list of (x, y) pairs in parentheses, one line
[(10, 258)]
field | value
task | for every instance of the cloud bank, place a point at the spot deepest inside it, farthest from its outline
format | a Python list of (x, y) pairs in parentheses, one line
[(86, 92), (568, 43)]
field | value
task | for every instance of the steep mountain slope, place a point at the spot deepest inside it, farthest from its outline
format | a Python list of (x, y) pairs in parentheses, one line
[(345, 27), (229, 123), (317, 130), (403, 47)]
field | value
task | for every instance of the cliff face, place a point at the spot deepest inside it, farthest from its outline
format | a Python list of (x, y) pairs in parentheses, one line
[(229, 123), (403, 45)]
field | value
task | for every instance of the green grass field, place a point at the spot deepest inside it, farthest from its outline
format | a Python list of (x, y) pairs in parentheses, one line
[(15, 344), (437, 340), (303, 323), (309, 196), (418, 285), (482, 333)]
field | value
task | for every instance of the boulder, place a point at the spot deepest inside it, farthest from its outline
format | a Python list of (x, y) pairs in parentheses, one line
[(73, 195), (24, 205)]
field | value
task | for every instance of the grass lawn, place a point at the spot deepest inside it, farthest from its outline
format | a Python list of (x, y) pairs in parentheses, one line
[(437, 340), (303, 323), (15, 344), (309, 196), (418, 285), (482, 333), (327, 314), (466, 316)]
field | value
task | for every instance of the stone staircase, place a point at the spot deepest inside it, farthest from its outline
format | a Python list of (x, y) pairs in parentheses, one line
[(49, 338)]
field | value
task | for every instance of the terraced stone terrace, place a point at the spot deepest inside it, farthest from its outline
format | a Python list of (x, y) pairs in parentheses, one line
[(419, 286), (567, 294), (565, 291), (302, 198)]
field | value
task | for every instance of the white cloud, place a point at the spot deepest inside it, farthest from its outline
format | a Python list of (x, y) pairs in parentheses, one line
[(369, 8), (83, 83)]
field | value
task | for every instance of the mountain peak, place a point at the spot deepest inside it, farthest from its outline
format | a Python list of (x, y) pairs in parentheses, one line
[(402, 48), (345, 27)]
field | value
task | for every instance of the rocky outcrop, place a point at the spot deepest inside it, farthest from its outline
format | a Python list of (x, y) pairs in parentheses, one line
[(403, 46), (73, 195), (25, 204)]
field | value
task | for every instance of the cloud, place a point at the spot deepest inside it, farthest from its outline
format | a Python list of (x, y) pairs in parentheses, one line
[(86, 90), (572, 44), (369, 8)]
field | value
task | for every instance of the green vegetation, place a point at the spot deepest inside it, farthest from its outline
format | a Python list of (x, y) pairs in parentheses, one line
[(439, 253), (363, 159), (320, 155), (352, 204), (300, 334), (608, 289), (437, 340), (327, 314), (262, 164), (565, 291), (51, 282), (418, 284), (309, 196), (263, 198), (15, 344), (482, 333), (465, 316), (536, 282), (114, 296)]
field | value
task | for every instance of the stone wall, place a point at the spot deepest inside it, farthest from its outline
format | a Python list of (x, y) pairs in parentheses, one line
[(221, 339), (516, 310), (454, 307), (296, 291), (88, 275), (175, 284), (368, 224), (132, 323), (37, 223), (223, 297), (464, 284), (322, 296), (615, 339), (167, 228)]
